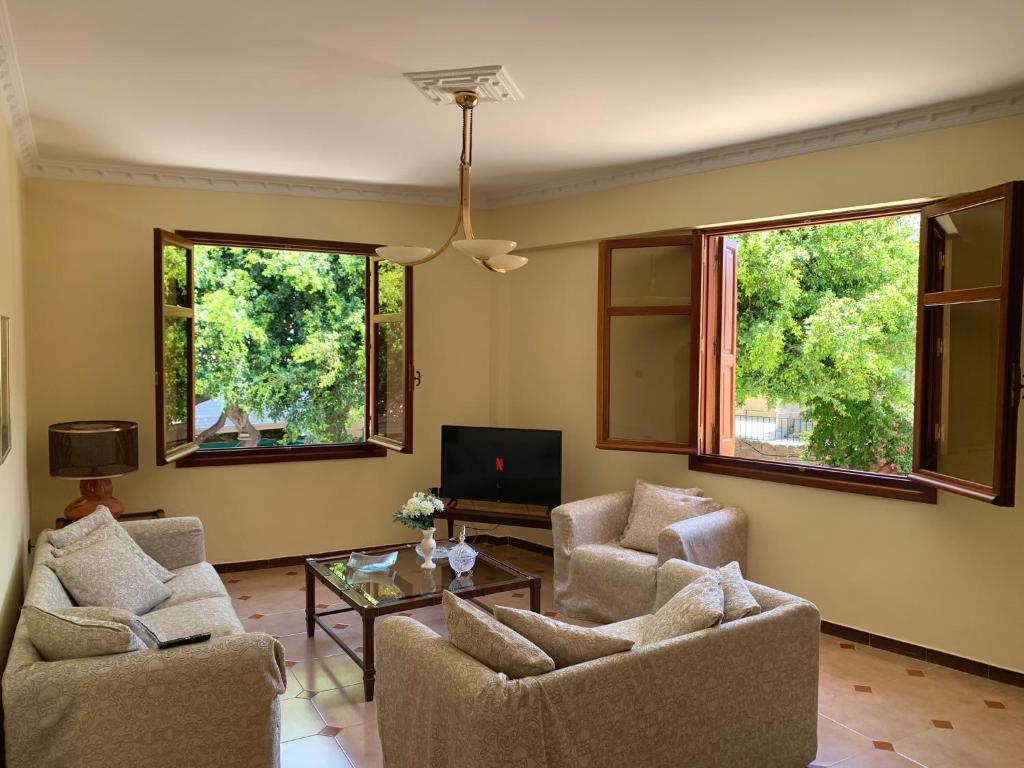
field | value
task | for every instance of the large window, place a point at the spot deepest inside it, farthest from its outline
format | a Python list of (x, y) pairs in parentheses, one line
[(873, 352), (273, 349)]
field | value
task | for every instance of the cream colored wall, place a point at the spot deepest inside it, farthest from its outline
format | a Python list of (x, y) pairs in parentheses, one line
[(14, 508), (90, 301), (946, 576)]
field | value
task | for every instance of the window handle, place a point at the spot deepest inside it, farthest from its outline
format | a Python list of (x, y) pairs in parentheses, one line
[(417, 378)]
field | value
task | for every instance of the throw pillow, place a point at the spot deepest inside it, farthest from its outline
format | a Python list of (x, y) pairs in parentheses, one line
[(78, 530), (107, 573), (490, 642), (73, 634), (657, 506), (116, 530), (739, 603), (566, 644), (699, 605)]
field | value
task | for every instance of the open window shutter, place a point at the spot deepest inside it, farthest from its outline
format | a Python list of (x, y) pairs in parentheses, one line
[(389, 336), (968, 351), (726, 400), (648, 344), (175, 346)]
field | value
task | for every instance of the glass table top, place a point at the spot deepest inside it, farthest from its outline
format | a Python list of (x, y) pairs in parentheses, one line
[(406, 581)]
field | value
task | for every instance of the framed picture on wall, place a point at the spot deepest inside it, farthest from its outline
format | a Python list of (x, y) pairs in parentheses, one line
[(5, 387)]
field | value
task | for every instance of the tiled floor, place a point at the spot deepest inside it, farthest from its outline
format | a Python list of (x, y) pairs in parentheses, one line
[(876, 709)]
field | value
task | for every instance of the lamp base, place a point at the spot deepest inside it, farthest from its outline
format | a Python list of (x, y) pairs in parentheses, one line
[(95, 493)]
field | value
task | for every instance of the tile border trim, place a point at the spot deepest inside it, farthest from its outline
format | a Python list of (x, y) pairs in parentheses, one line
[(922, 653)]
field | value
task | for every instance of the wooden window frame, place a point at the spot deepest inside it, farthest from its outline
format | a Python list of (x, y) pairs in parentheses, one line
[(929, 375), (411, 376), (606, 311), (231, 456), (707, 458)]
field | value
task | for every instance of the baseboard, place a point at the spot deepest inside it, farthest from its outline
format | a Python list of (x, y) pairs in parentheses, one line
[(921, 653), (278, 562)]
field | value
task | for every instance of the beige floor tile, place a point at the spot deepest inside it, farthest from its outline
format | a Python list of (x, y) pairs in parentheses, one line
[(361, 745), (327, 674), (837, 742), (298, 647), (276, 624), (878, 758), (294, 689), (299, 719), (992, 739), (344, 707), (313, 752)]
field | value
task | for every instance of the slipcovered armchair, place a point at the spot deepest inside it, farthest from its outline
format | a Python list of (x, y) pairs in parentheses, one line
[(598, 579)]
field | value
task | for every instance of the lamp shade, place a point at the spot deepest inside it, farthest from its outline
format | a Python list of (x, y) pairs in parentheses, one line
[(404, 254), (484, 249), (80, 450), (507, 262)]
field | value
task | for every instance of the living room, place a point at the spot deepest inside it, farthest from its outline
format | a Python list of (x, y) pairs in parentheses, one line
[(102, 145)]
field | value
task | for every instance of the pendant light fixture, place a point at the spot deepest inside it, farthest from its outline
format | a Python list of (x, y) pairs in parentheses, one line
[(494, 255)]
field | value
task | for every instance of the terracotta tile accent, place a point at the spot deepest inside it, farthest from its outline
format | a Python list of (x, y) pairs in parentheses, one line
[(943, 724), (244, 597), (551, 613), (306, 695), (848, 646), (321, 605), (915, 672), (256, 616), (359, 649), (234, 581), (330, 730), (340, 626), (862, 688), (518, 594), (290, 663), (995, 704), (291, 573), (885, 745)]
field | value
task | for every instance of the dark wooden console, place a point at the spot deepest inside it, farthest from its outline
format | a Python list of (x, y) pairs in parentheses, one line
[(524, 518)]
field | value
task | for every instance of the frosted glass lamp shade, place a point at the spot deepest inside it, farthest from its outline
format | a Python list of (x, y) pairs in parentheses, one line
[(404, 254), (484, 249), (507, 262)]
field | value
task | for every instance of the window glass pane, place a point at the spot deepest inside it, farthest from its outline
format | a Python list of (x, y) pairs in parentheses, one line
[(390, 288), (972, 245), (175, 275), (651, 276), (176, 405), (649, 378), (280, 348), (389, 396), (970, 358)]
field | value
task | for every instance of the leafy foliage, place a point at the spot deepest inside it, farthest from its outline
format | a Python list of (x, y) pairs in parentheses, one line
[(281, 334), (827, 319)]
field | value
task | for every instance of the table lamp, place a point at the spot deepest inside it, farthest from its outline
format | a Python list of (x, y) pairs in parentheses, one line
[(92, 452)]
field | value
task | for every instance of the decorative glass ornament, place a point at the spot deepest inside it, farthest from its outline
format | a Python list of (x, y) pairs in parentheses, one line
[(462, 557)]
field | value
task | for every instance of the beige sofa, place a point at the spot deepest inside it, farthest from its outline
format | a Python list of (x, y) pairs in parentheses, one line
[(599, 580), (742, 694), (211, 704)]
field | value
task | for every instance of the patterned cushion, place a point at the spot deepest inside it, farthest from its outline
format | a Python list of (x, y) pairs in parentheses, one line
[(490, 642), (78, 530), (697, 606), (739, 603), (566, 644), (213, 614), (108, 526), (656, 506), (75, 633), (108, 573)]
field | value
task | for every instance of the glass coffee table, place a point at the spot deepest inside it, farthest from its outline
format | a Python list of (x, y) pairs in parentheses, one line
[(403, 587)]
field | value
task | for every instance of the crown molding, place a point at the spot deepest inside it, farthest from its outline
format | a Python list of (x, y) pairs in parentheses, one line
[(13, 101), (893, 125), (212, 181), (491, 83)]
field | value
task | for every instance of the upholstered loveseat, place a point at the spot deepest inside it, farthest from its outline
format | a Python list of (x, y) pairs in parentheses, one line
[(743, 694), (599, 579), (212, 704)]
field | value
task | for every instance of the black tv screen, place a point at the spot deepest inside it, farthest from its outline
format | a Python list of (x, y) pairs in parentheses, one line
[(516, 466)]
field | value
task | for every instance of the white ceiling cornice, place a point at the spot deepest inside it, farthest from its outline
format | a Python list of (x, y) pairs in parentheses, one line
[(945, 115), (12, 90)]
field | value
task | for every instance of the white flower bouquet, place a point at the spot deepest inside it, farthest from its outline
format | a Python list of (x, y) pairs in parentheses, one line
[(418, 512)]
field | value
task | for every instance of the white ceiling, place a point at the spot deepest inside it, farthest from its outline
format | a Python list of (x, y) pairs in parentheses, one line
[(314, 88)]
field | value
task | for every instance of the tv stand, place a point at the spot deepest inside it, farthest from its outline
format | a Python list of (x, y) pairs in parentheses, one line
[(495, 515)]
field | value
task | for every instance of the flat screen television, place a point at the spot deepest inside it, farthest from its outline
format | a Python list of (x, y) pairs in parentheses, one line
[(515, 466)]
